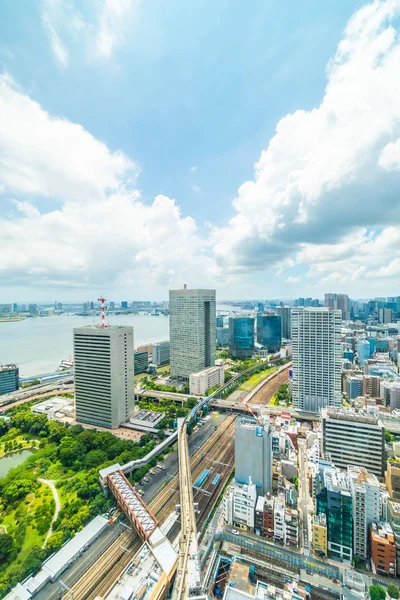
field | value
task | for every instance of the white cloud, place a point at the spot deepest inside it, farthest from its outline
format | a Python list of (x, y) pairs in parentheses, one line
[(193, 169), (97, 36), (331, 172), (196, 189)]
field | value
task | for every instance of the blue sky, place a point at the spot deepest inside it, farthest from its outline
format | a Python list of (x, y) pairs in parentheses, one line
[(190, 96)]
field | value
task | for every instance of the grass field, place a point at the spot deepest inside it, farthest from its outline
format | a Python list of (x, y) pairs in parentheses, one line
[(256, 378)]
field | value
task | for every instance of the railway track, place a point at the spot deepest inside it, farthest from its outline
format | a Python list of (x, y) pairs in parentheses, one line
[(268, 391)]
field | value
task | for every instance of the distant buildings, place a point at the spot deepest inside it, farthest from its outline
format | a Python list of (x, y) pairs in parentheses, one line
[(285, 313), (104, 375), (269, 332), (316, 355), (350, 438), (241, 336), (9, 379), (192, 327), (253, 454), (202, 381), (160, 353), (223, 336), (354, 386), (6, 309), (339, 302), (140, 361), (363, 351)]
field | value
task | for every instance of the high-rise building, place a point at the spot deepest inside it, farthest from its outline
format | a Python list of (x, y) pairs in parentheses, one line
[(6, 309), (365, 492), (354, 386), (269, 332), (363, 351), (253, 454), (285, 313), (33, 309), (223, 336), (353, 438), (9, 379), (241, 336), (160, 353), (124, 304), (219, 321), (316, 356), (192, 326), (339, 302), (104, 376)]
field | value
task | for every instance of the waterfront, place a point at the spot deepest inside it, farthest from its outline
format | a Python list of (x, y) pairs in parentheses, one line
[(12, 460), (37, 345)]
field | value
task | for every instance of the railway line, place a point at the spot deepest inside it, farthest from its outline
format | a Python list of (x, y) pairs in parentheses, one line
[(264, 395)]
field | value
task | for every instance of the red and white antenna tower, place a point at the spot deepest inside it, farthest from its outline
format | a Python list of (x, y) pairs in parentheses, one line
[(103, 323), (243, 401)]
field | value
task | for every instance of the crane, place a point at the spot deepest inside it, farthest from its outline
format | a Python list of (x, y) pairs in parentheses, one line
[(243, 401)]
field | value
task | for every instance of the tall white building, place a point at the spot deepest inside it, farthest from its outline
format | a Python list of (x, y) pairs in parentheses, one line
[(192, 327), (317, 356), (239, 505), (104, 375), (365, 491), (253, 454)]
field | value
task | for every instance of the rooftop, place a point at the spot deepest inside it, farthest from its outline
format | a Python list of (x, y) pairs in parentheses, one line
[(8, 368), (340, 414), (383, 531)]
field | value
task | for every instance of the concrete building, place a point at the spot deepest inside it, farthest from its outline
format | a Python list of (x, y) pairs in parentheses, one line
[(354, 386), (6, 309), (104, 375), (393, 517), (363, 351), (365, 492), (239, 505), (33, 309), (140, 361), (285, 313), (160, 353), (317, 358), (192, 331), (241, 336), (269, 332), (392, 479), (350, 438), (202, 381), (223, 336), (389, 390), (253, 454), (339, 302), (371, 385), (383, 549), (320, 535), (9, 379)]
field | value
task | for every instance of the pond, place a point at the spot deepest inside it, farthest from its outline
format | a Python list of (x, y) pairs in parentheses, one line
[(13, 460)]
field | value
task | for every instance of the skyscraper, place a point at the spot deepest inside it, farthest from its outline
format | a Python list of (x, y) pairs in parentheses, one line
[(269, 332), (241, 336), (104, 387), (317, 356), (192, 328), (253, 454), (9, 379), (339, 302), (285, 313)]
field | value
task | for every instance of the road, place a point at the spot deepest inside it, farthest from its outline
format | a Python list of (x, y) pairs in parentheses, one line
[(53, 488), (303, 495), (35, 393)]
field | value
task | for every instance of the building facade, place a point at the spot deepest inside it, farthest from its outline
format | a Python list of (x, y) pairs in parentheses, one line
[(202, 381), (383, 549), (269, 332), (320, 535), (363, 351), (223, 336), (316, 356), (393, 517), (104, 375), (285, 313), (241, 336), (354, 386), (140, 361), (365, 492), (339, 302), (192, 331), (9, 379), (160, 353), (253, 454), (239, 505)]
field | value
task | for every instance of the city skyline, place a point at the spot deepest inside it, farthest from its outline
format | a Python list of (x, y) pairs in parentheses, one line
[(292, 186)]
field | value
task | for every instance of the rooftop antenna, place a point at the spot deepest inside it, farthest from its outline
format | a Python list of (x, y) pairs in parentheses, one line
[(103, 323)]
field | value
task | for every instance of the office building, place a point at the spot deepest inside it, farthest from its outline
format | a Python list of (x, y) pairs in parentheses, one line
[(160, 353), (392, 479), (219, 321), (269, 332), (339, 302), (253, 454), (317, 358), (285, 313), (6, 309), (239, 505), (353, 438), (385, 315), (363, 351), (140, 361), (334, 500), (320, 535), (192, 331), (389, 391), (223, 336), (104, 375), (383, 549), (33, 309), (206, 379), (365, 492), (371, 385), (241, 336), (9, 379), (124, 304), (354, 386)]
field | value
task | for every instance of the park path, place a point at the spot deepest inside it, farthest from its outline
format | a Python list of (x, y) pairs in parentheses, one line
[(53, 488)]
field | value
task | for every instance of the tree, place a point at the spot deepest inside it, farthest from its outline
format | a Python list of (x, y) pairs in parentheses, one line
[(6, 544), (377, 592), (393, 591), (94, 458), (191, 402), (55, 541)]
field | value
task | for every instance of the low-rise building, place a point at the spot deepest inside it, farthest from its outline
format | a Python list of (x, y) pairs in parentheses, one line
[(320, 535), (9, 379), (202, 381), (393, 517), (383, 549), (239, 505), (160, 353), (141, 361)]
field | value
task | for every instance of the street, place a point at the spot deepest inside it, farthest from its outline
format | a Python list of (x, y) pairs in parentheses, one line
[(303, 495)]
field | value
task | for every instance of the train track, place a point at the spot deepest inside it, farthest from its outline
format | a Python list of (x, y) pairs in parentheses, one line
[(268, 391)]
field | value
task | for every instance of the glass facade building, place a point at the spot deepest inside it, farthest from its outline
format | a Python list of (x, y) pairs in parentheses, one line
[(269, 332), (9, 379), (241, 336)]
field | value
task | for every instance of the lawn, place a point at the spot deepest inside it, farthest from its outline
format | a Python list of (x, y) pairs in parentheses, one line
[(248, 385)]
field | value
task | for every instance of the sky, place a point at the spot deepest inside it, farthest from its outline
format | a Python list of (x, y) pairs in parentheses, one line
[(252, 147)]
